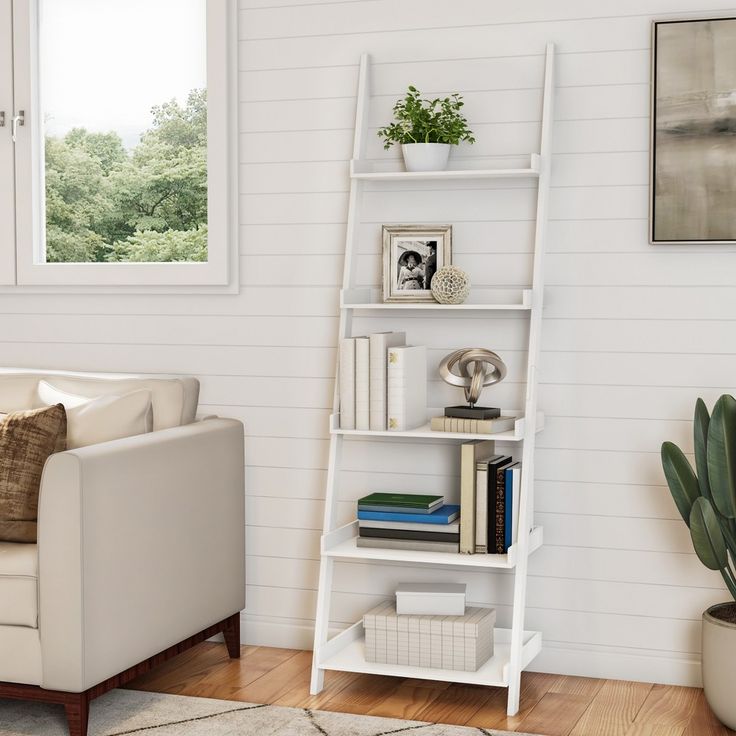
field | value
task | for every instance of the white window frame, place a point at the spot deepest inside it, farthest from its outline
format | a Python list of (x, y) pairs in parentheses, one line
[(20, 256), (7, 165)]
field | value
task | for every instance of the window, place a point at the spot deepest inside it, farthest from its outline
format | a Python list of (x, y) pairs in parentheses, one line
[(118, 137)]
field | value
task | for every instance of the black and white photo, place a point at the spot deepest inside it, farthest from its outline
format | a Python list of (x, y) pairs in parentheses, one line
[(412, 254)]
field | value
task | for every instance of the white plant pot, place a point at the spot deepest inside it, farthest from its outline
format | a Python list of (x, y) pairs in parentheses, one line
[(425, 156), (719, 666)]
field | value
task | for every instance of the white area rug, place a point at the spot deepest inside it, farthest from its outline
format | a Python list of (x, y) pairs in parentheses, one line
[(124, 712)]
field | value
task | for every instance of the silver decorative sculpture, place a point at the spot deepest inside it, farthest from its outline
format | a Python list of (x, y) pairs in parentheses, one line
[(473, 369)]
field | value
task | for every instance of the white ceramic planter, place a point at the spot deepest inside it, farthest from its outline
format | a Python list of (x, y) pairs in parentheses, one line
[(719, 666), (425, 156)]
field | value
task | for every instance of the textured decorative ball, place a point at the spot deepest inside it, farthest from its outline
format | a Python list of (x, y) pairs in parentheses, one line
[(450, 285)]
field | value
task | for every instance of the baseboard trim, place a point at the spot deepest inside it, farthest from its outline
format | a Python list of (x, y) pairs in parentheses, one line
[(287, 633), (619, 663), (584, 660)]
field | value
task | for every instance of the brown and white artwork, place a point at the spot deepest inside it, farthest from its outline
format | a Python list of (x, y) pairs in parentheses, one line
[(693, 167)]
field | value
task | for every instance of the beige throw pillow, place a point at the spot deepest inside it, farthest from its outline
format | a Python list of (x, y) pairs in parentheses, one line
[(27, 438), (91, 421)]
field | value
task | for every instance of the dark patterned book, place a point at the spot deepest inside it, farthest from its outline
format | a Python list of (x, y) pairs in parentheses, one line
[(500, 515), (485, 539)]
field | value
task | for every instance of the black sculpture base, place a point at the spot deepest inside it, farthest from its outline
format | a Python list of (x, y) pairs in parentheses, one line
[(472, 412)]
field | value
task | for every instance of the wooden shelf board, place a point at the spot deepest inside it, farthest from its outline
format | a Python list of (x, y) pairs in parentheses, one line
[(346, 653), (342, 544), (425, 432)]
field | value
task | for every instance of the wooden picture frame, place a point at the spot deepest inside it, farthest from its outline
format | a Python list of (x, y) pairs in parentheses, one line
[(412, 254)]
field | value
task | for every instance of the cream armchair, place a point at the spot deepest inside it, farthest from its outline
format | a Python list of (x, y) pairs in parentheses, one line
[(140, 554)]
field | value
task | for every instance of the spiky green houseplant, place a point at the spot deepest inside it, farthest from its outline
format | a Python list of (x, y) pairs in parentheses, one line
[(706, 496)]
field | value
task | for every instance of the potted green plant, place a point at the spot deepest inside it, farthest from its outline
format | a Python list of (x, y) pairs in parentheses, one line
[(706, 500), (426, 129)]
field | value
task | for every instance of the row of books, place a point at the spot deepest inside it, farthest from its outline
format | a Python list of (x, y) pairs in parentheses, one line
[(473, 426), (490, 489), (382, 383), (408, 521)]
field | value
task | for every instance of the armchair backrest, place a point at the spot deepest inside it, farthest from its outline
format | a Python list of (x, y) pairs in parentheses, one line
[(174, 398)]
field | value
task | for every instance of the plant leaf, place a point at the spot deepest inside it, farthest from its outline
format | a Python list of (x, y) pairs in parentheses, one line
[(680, 478), (708, 541), (700, 428), (721, 455)]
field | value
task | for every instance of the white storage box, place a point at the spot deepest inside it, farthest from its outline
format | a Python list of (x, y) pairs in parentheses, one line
[(430, 599), (462, 643)]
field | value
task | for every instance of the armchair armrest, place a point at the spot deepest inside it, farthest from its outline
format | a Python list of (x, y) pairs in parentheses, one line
[(141, 545)]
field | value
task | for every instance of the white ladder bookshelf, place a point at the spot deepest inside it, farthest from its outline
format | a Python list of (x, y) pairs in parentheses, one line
[(515, 647)]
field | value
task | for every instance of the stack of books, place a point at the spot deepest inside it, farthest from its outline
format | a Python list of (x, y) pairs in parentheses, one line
[(383, 383), (490, 489), (473, 426), (408, 521)]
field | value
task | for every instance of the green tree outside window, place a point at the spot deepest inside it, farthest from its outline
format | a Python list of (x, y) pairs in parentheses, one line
[(106, 204)]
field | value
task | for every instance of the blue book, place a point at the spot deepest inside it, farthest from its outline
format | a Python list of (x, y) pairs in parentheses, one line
[(512, 483), (444, 515)]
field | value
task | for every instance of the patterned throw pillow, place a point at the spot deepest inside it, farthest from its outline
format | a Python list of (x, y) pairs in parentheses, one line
[(27, 438)]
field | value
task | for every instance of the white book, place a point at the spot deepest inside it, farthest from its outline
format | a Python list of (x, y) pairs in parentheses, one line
[(407, 387), (347, 383), (471, 453), (380, 342), (362, 384)]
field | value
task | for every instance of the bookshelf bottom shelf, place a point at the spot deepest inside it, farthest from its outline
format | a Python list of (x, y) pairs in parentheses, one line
[(346, 653)]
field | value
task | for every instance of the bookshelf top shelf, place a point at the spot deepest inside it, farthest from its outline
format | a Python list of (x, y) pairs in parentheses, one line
[(501, 300), (365, 170)]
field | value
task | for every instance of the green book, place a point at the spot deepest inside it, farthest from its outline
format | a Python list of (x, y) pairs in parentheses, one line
[(390, 501)]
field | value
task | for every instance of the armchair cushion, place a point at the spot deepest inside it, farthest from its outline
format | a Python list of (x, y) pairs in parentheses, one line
[(109, 417), (174, 398), (18, 584), (27, 438)]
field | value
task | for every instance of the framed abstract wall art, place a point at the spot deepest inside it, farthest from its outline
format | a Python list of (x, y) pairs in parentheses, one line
[(693, 132)]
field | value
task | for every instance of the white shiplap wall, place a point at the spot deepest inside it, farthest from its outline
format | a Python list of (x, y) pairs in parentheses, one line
[(632, 334)]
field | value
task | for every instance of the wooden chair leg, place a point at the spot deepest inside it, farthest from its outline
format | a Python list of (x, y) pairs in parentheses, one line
[(77, 713), (231, 632)]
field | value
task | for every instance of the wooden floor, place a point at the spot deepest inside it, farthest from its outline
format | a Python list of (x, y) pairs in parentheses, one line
[(552, 705)]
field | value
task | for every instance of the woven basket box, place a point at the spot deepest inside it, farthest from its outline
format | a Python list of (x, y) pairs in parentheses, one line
[(442, 642)]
